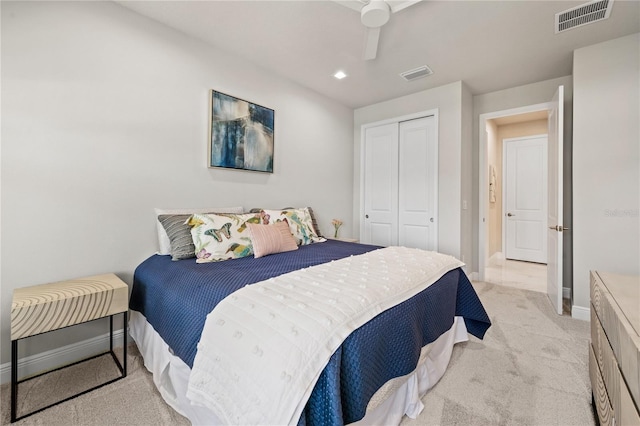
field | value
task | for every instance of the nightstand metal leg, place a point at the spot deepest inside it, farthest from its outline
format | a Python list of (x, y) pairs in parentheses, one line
[(111, 333), (125, 333), (122, 366)]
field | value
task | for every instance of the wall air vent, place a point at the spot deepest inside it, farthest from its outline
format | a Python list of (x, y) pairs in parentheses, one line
[(416, 73), (587, 13)]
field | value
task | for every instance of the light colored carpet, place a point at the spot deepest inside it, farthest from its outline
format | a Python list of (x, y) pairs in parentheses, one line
[(133, 400), (531, 369)]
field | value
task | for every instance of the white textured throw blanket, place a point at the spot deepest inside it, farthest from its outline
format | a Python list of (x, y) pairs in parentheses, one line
[(263, 347)]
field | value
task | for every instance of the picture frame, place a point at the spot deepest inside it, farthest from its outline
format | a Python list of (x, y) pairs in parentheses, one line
[(241, 134)]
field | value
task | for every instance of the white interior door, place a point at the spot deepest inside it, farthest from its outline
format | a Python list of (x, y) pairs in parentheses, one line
[(525, 198), (381, 185), (418, 184), (555, 186)]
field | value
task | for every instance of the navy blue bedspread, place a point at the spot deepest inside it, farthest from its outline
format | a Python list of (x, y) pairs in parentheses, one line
[(175, 298)]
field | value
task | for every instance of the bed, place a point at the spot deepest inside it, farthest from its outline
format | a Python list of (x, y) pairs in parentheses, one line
[(375, 376)]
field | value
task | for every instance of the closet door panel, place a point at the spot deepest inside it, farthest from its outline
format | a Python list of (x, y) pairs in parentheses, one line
[(418, 178), (381, 185)]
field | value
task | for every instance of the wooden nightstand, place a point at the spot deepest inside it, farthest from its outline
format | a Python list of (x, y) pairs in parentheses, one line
[(48, 307)]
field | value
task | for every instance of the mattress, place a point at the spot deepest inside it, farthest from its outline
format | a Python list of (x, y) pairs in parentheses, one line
[(175, 298)]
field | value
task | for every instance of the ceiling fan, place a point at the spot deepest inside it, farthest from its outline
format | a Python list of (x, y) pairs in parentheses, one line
[(373, 15)]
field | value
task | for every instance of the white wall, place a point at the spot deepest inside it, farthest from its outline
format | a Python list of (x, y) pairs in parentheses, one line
[(606, 161), (104, 117), (448, 100), (467, 179)]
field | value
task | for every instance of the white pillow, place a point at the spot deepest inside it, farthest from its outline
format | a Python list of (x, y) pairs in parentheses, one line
[(164, 244)]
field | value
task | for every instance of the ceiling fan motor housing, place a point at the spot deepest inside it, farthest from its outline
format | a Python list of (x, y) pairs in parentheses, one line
[(375, 14)]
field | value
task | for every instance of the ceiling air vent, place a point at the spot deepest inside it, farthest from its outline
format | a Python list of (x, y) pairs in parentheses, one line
[(416, 73), (587, 13)]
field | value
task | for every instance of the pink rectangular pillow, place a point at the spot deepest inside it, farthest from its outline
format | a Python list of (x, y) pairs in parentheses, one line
[(271, 239)]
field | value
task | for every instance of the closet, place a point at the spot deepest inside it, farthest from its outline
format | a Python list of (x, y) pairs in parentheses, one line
[(400, 184)]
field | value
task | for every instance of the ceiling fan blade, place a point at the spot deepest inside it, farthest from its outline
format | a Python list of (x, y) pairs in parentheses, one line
[(371, 43), (397, 6), (351, 4)]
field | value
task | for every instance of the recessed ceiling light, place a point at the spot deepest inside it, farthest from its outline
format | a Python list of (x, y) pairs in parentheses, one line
[(340, 75)]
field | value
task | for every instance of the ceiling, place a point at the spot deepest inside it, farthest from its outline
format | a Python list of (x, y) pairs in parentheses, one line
[(521, 118), (490, 45)]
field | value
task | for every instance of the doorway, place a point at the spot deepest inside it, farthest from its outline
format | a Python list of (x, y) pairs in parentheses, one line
[(556, 253), (524, 228), (524, 267)]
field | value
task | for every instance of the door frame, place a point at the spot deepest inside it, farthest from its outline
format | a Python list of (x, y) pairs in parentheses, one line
[(504, 187), (426, 113), (483, 178)]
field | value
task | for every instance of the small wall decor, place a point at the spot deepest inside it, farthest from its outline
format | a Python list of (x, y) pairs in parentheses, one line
[(240, 134), (492, 184)]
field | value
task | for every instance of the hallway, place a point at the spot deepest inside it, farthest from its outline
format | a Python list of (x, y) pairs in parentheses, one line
[(522, 275)]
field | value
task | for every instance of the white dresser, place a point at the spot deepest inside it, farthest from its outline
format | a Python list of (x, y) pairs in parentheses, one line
[(614, 354)]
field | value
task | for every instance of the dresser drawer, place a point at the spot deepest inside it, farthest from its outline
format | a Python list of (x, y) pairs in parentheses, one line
[(603, 406), (606, 361), (627, 412), (609, 292), (595, 291)]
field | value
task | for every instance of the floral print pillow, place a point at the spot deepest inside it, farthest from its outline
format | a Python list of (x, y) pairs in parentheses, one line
[(219, 237), (299, 221)]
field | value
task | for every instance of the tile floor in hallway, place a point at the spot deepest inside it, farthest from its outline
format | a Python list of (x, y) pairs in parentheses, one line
[(512, 273)]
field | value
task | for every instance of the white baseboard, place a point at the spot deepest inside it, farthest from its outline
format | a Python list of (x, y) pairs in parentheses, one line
[(55, 358), (578, 312), (474, 276)]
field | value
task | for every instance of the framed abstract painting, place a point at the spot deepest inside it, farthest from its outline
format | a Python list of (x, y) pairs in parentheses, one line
[(240, 134)]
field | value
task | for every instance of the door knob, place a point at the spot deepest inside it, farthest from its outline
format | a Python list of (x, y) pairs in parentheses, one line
[(510, 214), (366, 216)]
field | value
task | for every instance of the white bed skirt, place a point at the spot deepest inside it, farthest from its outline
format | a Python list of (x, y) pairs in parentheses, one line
[(396, 398)]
